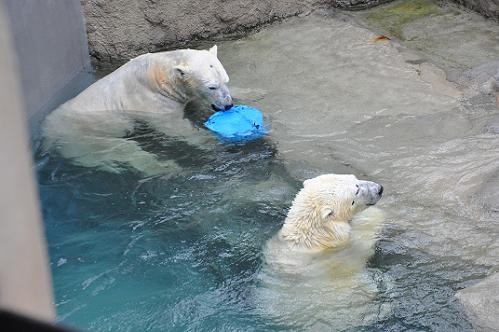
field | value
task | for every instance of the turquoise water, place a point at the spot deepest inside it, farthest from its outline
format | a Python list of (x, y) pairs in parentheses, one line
[(184, 252), (162, 254)]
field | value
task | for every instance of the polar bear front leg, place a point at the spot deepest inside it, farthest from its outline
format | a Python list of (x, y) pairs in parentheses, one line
[(184, 130), (95, 139), (115, 154)]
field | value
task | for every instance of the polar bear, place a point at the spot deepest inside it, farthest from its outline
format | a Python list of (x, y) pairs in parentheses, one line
[(153, 88), (314, 276)]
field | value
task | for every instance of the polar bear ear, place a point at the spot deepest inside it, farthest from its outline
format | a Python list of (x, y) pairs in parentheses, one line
[(182, 70), (327, 212), (213, 50)]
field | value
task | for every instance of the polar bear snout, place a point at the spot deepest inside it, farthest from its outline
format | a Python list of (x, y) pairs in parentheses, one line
[(370, 192), (222, 100)]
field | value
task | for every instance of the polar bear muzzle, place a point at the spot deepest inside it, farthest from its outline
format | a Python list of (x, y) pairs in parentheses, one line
[(368, 192), (222, 100)]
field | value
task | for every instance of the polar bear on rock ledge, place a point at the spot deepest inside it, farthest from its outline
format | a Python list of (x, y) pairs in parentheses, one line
[(153, 88), (314, 276)]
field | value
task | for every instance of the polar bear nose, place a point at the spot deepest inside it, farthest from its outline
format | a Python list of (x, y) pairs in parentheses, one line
[(380, 191), (228, 107)]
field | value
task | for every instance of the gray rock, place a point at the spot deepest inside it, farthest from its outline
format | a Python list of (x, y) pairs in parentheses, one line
[(488, 8), (483, 73), (358, 4), (484, 79), (119, 30), (481, 303)]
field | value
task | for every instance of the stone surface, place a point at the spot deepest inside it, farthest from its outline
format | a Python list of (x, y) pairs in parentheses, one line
[(481, 303), (450, 37), (357, 4), (119, 30), (488, 8)]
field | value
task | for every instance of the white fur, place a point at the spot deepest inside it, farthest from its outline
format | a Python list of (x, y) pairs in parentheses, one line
[(314, 274), (153, 88)]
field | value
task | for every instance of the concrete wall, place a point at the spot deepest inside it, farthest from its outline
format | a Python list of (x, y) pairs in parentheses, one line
[(51, 46), (43, 55), (24, 276)]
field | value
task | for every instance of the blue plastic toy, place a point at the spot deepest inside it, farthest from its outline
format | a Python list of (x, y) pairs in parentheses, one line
[(239, 124)]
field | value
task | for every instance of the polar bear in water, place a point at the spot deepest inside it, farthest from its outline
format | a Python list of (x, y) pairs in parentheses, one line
[(153, 88), (314, 275)]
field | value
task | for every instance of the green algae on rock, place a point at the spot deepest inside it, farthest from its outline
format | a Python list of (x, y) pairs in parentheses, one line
[(394, 17), (453, 38)]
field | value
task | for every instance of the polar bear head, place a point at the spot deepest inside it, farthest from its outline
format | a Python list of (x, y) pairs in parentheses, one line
[(196, 75), (205, 78), (321, 211), (190, 75)]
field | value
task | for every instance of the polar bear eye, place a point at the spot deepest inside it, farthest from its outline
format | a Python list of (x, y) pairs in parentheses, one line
[(353, 202), (212, 87)]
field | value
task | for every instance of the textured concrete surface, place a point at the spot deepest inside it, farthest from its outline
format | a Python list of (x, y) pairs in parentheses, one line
[(119, 30), (488, 8), (51, 47), (481, 303), (24, 272)]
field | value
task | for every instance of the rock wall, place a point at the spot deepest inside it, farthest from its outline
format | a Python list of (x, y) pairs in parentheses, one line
[(119, 30), (488, 8)]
